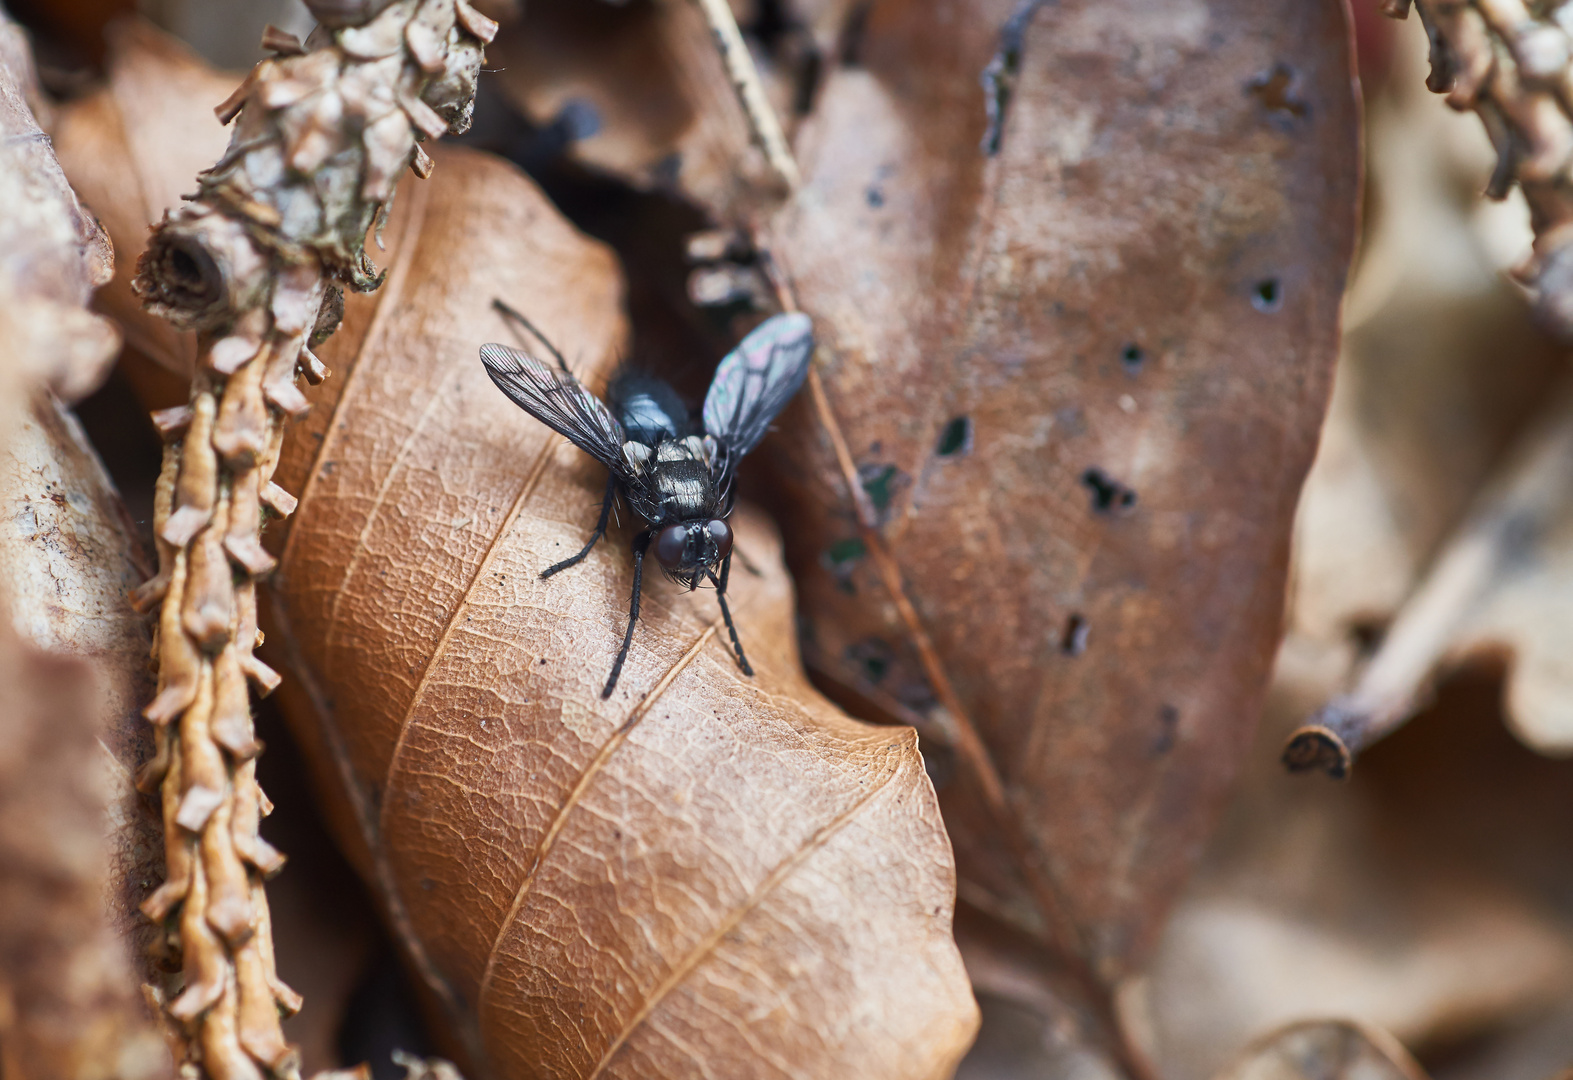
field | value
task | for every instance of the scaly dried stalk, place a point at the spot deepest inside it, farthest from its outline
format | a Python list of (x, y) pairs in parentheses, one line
[(256, 264), (1512, 63)]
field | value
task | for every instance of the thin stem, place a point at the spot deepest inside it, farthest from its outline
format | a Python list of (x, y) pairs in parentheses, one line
[(1530, 487), (750, 90)]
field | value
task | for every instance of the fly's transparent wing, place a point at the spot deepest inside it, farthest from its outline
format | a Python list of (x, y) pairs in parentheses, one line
[(755, 382), (556, 399)]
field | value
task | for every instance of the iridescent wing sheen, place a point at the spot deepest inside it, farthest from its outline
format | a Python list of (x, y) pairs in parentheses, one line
[(556, 399), (755, 381)]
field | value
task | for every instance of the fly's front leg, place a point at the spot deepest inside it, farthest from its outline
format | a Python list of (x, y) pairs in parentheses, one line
[(517, 316), (600, 530), (726, 613), (641, 542)]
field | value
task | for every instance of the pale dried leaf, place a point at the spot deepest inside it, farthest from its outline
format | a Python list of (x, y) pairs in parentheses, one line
[(52, 253)]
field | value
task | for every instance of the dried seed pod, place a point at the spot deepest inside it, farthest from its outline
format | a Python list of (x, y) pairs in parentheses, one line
[(1514, 68), (256, 263)]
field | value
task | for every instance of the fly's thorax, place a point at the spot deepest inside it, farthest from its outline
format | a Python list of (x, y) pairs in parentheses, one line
[(682, 481)]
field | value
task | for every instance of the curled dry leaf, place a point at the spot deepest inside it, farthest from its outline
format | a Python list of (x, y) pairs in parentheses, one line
[(1325, 1050), (707, 873), (52, 252), (74, 658), (1076, 336)]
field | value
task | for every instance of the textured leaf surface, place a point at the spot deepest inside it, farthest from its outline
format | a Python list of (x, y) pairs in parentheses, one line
[(705, 874), (1080, 382)]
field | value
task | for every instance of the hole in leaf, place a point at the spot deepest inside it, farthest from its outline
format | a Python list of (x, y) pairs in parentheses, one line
[(956, 438), (1074, 643), (1268, 295), (873, 658), (1275, 89), (1108, 494), (1168, 730)]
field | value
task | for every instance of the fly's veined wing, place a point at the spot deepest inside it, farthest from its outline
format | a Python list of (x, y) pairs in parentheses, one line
[(756, 380), (556, 399)]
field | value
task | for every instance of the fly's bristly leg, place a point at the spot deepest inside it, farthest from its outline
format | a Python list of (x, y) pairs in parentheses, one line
[(641, 542), (509, 312), (726, 613), (600, 529)]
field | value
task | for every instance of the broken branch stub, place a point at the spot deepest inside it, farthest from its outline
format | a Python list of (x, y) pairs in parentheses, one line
[(255, 264), (1504, 549)]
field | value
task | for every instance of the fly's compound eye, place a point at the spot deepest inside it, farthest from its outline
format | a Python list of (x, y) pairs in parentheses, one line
[(721, 533), (671, 543)]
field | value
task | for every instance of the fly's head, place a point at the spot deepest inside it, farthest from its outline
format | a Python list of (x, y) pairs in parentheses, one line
[(687, 550)]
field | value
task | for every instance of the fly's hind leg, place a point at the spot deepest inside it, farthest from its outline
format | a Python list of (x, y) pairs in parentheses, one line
[(600, 529), (726, 613), (641, 542)]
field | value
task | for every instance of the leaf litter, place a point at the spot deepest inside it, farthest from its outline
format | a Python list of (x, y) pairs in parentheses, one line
[(1478, 934)]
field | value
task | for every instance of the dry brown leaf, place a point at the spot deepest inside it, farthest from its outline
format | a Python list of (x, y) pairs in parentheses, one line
[(643, 94), (708, 872), (1079, 382), (132, 149), (1325, 1050)]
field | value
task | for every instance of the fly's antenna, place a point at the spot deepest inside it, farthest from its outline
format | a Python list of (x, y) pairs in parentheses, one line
[(509, 312)]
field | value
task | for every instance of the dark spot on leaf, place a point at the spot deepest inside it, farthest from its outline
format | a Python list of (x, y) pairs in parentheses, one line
[(1133, 357), (1168, 729), (1108, 494), (956, 438), (844, 551), (875, 197), (1275, 89), (1074, 642), (1268, 295), (878, 481), (872, 657)]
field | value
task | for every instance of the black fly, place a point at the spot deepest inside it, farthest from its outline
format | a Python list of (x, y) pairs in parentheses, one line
[(674, 473)]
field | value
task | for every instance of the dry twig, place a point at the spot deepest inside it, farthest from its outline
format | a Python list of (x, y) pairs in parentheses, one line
[(1512, 510), (750, 90), (255, 263), (1511, 61)]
